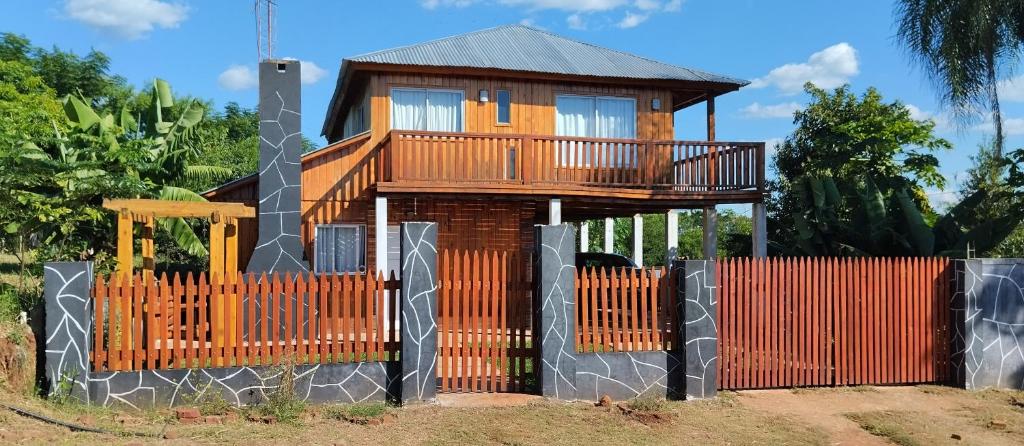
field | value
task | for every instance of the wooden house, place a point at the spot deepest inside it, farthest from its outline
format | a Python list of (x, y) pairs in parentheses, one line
[(492, 132)]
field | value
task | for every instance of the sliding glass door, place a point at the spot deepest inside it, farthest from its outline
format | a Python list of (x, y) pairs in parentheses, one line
[(595, 117)]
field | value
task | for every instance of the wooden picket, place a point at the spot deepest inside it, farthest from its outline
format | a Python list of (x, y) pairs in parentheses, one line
[(625, 309), (788, 322), (143, 323), (484, 323)]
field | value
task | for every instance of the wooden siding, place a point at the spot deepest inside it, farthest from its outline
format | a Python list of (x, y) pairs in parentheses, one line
[(533, 103)]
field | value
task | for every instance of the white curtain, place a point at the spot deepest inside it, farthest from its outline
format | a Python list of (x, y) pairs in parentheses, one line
[(408, 109), (444, 111), (574, 116), (340, 248), (419, 109), (616, 118)]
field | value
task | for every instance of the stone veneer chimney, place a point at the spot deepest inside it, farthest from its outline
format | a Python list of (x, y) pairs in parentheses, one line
[(279, 247)]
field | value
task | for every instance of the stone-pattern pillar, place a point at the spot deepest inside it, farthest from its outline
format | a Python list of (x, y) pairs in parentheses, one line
[(555, 280), (419, 312), (993, 319), (279, 247), (759, 217), (697, 305), (66, 290)]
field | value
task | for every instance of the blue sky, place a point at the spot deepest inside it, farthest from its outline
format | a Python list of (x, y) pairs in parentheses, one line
[(208, 49)]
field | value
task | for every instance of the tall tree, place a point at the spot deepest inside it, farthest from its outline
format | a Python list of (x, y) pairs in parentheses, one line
[(964, 46)]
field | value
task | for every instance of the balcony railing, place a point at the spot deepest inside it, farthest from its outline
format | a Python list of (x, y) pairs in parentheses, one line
[(453, 159)]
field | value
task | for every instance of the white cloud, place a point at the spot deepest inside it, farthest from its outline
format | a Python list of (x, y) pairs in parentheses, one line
[(631, 20), (575, 22), (674, 6), (783, 110), (243, 77), (828, 68), (942, 199), (943, 123), (647, 5), (131, 19), (433, 4), (1011, 90), (311, 72), (771, 145), (1011, 126), (238, 77)]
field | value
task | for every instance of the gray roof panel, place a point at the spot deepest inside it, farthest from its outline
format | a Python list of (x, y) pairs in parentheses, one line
[(522, 48)]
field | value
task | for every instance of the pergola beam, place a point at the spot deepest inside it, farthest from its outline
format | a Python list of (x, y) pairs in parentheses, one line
[(166, 209)]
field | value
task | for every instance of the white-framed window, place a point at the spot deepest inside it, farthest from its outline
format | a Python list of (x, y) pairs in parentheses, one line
[(340, 248), (595, 117), (427, 109)]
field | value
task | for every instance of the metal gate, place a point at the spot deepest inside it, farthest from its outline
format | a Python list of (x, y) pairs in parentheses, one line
[(484, 322)]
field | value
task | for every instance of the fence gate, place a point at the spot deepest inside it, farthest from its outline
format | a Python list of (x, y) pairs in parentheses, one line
[(830, 321), (484, 324)]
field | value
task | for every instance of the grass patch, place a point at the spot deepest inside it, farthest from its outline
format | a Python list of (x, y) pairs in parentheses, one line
[(349, 412), (282, 404), (648, 405), (885, 424)]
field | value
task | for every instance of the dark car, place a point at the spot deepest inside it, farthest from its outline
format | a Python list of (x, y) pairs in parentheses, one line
[(602, 260)]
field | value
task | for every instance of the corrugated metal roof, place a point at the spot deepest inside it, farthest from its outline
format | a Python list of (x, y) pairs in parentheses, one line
[(522, 48)]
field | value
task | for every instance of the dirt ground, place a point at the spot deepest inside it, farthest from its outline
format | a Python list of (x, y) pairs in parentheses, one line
[(863, 415)]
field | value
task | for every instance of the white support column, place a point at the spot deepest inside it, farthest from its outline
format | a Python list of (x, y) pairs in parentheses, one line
[(584, 236), (380, 234), (760, 229), (710, 233), (609, 235), (671, 236), (555, 211), (638, 240)]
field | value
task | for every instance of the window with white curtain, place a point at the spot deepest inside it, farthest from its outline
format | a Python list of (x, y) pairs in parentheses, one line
[(358, 119), (426, 109), (340, 248), (594, 117)]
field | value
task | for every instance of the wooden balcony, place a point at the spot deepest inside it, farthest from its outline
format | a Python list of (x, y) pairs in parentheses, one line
[(682, 171)]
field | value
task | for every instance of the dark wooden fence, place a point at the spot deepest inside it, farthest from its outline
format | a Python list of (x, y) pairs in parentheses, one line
[(787, 322)]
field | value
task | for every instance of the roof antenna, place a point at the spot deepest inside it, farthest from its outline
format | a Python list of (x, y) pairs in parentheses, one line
[(264, 11)]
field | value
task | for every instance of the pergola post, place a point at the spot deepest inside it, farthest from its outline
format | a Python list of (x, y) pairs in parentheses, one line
[(148, 248), (555, 211), (125, 256)]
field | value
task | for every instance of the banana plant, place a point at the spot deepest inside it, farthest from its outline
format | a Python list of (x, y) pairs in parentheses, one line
[(157, 149), (868, 220)]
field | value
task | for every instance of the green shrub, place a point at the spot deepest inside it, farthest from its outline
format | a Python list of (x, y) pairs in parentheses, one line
[(282, 403), (647, 404)]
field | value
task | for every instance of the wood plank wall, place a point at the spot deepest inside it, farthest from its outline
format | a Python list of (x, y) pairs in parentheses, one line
[(533, 103)]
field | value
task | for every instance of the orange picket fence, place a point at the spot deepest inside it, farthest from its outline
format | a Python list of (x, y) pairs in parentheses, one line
[(785, 322), (625, 309), (146, 323), (484, 321)]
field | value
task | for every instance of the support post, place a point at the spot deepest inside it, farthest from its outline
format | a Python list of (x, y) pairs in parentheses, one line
[(584, 236), (638, 240), (67, 288), (148, 248), (710, 233), (380, 234), (419, 312), (125, 255), (609, 235), (217, 229), (555, 299), (759, 230), (671, 236), (696, 303), (555, 211)]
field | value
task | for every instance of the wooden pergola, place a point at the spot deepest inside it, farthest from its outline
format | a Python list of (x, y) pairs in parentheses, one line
[(223, 230)]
